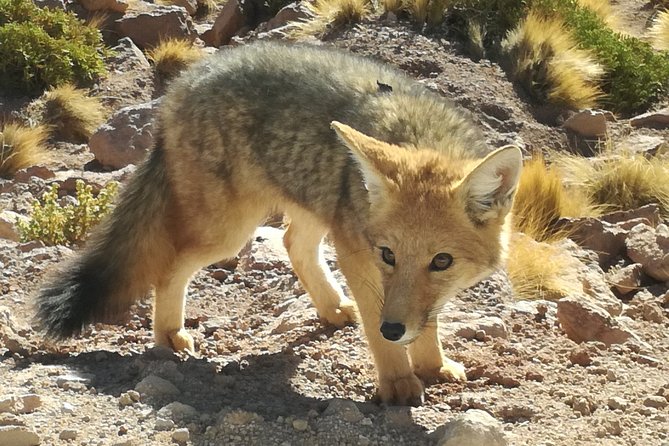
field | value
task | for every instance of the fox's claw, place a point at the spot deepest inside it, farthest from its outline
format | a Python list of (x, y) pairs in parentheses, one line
[(180, 340), (402, 391), (450, 371), (345, 314)]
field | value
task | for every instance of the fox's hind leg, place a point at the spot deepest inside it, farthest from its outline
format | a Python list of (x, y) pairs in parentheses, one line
[(428, 360), (303, 243)]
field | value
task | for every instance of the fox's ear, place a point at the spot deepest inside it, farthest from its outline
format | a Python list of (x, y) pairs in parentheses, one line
[(489, 188), (373, 156)]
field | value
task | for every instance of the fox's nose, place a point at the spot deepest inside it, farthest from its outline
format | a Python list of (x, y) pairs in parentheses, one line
[(392, 331)]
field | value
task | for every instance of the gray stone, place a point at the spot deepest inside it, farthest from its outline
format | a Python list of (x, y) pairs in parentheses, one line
[(473, 428), (178, 412), (181, 435), (345, 410), (156, 387), (583, 321), (126, 138), (650, 247)]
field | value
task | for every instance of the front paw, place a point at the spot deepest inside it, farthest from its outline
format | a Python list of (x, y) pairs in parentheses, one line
[(449, 371), (181, 341), (401, 390), (345, 314)]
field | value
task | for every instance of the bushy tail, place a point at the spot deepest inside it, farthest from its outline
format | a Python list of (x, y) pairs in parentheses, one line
[(120, 262)]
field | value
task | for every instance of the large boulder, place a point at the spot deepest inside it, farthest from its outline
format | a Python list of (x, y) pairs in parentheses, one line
[(154, 23), (126, 138)]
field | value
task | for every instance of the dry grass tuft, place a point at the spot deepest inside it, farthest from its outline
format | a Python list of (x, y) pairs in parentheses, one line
[(394, 6), (72, 114), (172, 56), (21, 147), (540, 270), (659, 31), (544, 57), (620, 182), (328, 14), (542, 199), (603, 10)]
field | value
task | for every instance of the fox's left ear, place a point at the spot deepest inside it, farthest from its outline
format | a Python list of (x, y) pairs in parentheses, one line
[(489, 189), (375, 159)]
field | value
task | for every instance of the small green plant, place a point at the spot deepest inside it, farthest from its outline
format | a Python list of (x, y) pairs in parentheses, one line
[(56, 224), (41, 48)]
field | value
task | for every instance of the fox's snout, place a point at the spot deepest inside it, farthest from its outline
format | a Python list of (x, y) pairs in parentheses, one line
[(393, 331)]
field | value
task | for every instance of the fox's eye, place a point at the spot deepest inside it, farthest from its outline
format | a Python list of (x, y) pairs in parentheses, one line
[(387, 256), (441, 261)]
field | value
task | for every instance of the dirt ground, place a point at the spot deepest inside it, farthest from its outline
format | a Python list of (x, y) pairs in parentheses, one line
[(268, 372)]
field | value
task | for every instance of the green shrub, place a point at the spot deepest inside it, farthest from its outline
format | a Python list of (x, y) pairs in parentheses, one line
[(41, 48), (66, 225)]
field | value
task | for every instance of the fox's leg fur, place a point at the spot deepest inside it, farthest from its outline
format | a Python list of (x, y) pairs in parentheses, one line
[(428, 360), (303, 243), (397, 382)]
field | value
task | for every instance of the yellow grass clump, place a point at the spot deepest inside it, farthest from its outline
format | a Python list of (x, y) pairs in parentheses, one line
[(21, 147), (172, 56), (603, 10), (541, 199), (543, 56), (330, 13), (659, 31), (394, 6), (620, 182), (71, 113), (539, 270)]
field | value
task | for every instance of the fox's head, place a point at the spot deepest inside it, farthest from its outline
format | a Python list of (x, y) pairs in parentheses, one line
[(437, 225)]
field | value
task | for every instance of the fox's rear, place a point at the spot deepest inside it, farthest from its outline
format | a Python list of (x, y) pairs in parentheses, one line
[(121, 260)]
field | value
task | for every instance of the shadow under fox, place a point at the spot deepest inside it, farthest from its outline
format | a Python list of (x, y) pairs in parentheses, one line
[(399, 178)]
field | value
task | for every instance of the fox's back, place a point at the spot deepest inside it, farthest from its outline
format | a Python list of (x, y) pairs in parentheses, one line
[(272, 104)]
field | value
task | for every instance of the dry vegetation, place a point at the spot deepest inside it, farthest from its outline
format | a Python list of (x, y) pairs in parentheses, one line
[(329, 13), (71, 113), (546, 60), (659, 32), (172, 56), (21, 147)]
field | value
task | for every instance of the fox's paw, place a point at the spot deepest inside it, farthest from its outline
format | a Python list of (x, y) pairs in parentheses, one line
[(450, 371), (345, 314), (401, 391), (181, 341)]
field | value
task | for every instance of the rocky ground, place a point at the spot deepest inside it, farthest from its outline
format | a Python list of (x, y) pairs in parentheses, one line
[(590, 369)]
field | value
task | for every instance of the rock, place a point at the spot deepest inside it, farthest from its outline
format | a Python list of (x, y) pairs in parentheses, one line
[(655, 401), (300, 425), (156, 387), (583, 321), (493, 327), (18, 436), (266, 251), (127, 56), (618, 403), (181, 435), (649, 212), (8, 227), (602, 237), (164, 425), (178, 412), (645, 145), (39, 171), (155, 23), (51, 4), (105, 5), (74, 382), (67, 408), (650, 247), (656, 119), (68, 434), (345, 410), (473, 428), (626, 279), (189, 5), (292, 12), (230, 20), (126, 138), (580, 356), (125, 400), (588, 123), (583, 405)]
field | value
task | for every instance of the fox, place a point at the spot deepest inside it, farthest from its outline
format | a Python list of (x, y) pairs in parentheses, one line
[(399, 179)]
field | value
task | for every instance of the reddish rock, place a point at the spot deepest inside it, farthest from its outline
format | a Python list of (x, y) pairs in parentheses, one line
[(650, 247), (148, 27), (228, 23), (655, 119), (649, 212), (105, 5), (626, 279), (583, 321), (588, 123)]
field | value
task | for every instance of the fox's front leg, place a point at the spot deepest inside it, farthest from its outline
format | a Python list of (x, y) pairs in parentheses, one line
[(397, 382), (428, 360)]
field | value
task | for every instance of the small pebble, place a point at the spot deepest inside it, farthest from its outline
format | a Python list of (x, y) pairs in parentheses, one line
[(181, 435), (68, 434), (300, 425)]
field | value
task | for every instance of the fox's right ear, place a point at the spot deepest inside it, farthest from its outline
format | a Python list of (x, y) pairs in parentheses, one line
[(371, 155)]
